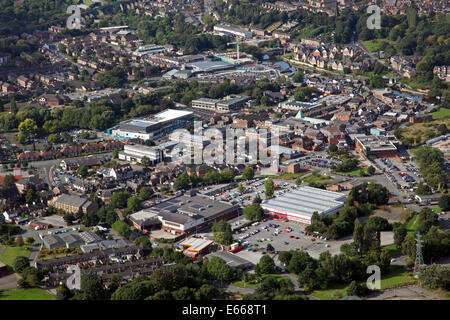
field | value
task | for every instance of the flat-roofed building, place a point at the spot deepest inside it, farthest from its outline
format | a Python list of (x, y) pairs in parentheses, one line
[(153, 127), (231, 259), (137, 152), (194, 246), (190, 212), (227, 104), (73, 204), (378, 146), (53, 242), (209, 66), (72, 240), (300, 204), (144, 220)]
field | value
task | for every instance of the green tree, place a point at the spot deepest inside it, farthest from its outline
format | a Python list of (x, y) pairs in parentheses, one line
[(19, 241), (134, 203), (145, 193), (332, 148), (266, 265), (91, 288), (285, 257), (377, 82), (298, 77), (248, 173), (254, 212), (9, 180), (28, 128), (121, 228), (144, 241), (222, 232), (444, 202), (181, 182), (270, 188), (82, 171), (13, 106), (145, 161), (20, 263), (241, 188), (63, 293), (220, 270), (400, 233), (33, 280), (303, 93), (119, 199)]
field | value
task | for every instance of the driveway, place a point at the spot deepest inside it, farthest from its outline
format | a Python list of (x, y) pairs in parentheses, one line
[(9, 282)]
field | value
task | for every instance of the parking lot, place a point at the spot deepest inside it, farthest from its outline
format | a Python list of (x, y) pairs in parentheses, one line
[(403, 175), (283, 236), (316, 161), (253, 187)]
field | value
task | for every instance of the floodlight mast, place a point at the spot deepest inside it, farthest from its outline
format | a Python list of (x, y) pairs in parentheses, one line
[(237, 43)]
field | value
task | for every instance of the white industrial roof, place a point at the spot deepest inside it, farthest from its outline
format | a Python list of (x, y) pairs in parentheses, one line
[(171, 114), (304, 201), (196, 244), (143, 215)]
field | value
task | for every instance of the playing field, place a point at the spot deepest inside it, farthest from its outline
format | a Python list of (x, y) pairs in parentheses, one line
[(8, 255), (26, 294)]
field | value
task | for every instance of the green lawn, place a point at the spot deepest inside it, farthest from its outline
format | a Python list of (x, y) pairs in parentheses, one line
[(358, 172), (26, 294), (436, 210), (412, 225), (331, 292), (253, 284), (8, 255), (396, 276), (374, 45), (287, 176), (392, 249), (441, 114), (316, 178)]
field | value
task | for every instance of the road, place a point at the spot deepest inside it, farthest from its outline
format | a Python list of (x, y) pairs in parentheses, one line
[(363, 47), (44, 168)]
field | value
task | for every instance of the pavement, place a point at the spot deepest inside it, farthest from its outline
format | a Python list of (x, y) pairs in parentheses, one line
[(9, 281), (413, 292)]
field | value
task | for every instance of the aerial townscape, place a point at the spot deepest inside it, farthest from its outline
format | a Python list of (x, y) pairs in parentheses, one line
[(232, 150)]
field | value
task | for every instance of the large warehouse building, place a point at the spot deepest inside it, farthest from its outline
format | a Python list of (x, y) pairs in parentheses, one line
[(152, 127), (300, 204), (190, 212)]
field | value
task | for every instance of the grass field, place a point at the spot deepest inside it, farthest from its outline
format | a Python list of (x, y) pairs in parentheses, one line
[(316, 178), (420, 132), (412, 225), (392, 249), (334, 292), (358, 172), (397, 276), (287, 176), (374, 45), (441, 114), (26, 294), (253, 284), (8, 255)]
